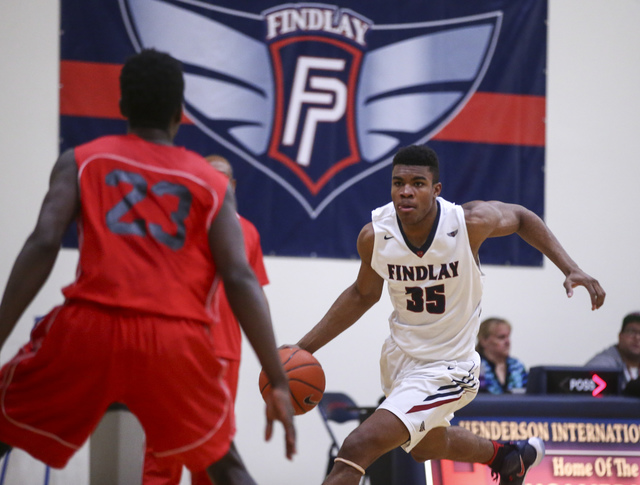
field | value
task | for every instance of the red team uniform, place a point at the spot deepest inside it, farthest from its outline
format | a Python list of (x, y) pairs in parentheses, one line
[(130, 330), (226, 330), (227, 338)]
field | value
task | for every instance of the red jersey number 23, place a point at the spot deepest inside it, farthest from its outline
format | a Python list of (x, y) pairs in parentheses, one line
[(142, 227)]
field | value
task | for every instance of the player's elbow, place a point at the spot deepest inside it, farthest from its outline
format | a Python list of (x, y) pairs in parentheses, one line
[(369, 298), (372, 299), (238, 279), (44, 241)]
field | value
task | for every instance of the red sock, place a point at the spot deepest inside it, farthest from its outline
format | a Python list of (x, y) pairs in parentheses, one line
[(496, 448)]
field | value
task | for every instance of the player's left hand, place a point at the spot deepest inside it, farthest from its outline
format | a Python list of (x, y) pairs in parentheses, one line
[(577, 277), (279, 408)]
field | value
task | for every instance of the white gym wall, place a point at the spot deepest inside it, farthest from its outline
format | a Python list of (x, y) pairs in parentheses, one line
[(592, 204)]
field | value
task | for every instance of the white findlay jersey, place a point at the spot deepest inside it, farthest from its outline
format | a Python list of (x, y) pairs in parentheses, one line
[(436, 290)]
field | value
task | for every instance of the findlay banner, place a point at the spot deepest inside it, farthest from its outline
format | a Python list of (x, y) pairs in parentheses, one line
[(310, 102)]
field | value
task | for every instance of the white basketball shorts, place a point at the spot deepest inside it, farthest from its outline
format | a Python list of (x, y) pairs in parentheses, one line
[(425, 395)]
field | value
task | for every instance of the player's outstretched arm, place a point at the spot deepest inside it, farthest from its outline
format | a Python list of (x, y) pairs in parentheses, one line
[(249, 305), (352, 303), (496, 219), (38, 255)]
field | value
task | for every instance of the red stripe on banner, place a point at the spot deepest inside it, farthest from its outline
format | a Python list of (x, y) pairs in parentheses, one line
[(92, 89), (503, 119), (424, 407)]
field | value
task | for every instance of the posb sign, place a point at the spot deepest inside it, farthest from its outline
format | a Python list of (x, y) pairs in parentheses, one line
[(595, 385)]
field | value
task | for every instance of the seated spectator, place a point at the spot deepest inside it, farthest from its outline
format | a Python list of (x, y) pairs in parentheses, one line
[(499, 372), (625, 354)]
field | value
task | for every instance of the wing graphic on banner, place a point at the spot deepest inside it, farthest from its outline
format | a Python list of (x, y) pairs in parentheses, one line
[(414, 87), (235, 89), (403, 92)]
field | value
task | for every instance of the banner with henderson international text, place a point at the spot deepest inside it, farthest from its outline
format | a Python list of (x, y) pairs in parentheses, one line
[(310, 101), (578, 451)]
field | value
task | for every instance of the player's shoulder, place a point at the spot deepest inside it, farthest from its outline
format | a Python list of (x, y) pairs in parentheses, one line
[(469, 207), (65, 165), (194, 160), (197, 165), (479, 210), (384, 212), (366, 240), (367, 231), (447, 207)]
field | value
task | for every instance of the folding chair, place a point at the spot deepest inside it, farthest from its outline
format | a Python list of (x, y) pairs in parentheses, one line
[(393, 468), (340, 408)]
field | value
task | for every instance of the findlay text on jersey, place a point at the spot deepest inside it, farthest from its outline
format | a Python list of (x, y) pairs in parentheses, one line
[(421, 273)]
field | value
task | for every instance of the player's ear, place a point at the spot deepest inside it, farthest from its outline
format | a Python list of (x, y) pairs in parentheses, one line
[(177, 118), (437, 189)]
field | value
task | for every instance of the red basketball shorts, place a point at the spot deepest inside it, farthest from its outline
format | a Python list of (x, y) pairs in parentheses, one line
[(81, 358), (165, 473)]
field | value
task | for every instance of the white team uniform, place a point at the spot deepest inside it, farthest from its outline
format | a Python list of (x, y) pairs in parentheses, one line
[(429, 364)]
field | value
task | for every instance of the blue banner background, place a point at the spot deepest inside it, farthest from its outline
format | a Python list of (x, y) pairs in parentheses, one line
[(96, 32)]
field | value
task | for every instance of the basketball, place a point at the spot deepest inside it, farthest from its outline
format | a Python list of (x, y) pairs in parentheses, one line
[(306, 379)]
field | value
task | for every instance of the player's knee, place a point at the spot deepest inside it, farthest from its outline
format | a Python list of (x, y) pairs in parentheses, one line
[(434, 446), (353, 445), (421, 456), (361, 449)]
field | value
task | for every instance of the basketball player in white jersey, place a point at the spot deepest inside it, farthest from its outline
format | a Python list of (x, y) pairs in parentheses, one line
[(426, 249)]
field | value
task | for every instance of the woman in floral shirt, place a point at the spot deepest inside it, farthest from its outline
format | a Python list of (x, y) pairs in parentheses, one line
[(499, 372)]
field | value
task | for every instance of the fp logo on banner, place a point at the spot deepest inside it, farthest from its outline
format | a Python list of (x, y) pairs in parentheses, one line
[(315, 96)]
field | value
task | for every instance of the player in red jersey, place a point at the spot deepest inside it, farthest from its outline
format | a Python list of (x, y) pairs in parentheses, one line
[(157, 228), (228, 346)]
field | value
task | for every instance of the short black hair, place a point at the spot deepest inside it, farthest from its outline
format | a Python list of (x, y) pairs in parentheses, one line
[(151, 89), (633, 317), (419, 155)]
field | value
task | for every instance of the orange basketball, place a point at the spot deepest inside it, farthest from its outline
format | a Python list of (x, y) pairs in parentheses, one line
[(306, 379)]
